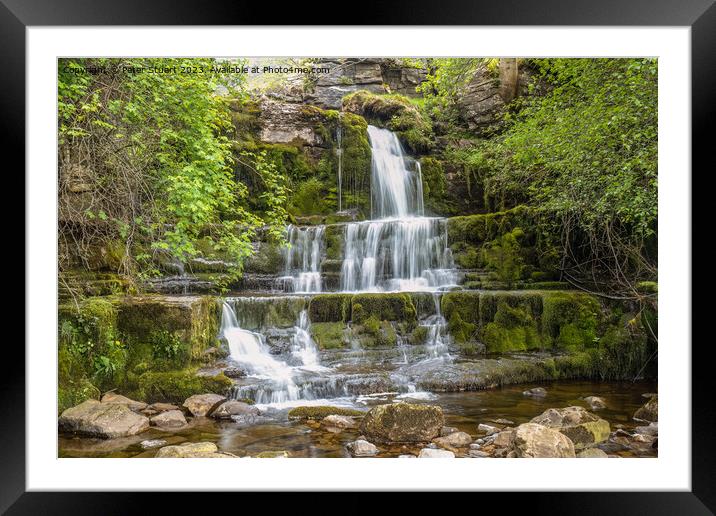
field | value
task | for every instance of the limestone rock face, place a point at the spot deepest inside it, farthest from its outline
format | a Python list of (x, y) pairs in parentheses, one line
[(191, 451), (581, 426), (234, 408), (169, 419), (105, 420), (203, 404), (285, 122), (112, 397), (649, 411), (538, 441), (403, 422)]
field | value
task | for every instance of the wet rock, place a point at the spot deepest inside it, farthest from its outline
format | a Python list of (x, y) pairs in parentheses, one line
[(403, 422), (643, 438), (649, 411), (502, 421), (533, 440), (504, 439), (592, 453), (434, 453), (362, 448), (203, 404), (454, 440), (152, 443), (104, 420), (478, 454), (281, 454), (595, 402), (407, 456), (234, 372), (447, 430), (191, 451), (537, 392), (648, 395), (487, 429), (652, 429), (161, 407), (169, 419), (581, 426), (231, 408), (113, 397), (339, 422)]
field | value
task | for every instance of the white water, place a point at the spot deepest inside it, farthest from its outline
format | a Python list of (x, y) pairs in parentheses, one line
[(303, 346), (438, 337), (302, 258), (400, 249)]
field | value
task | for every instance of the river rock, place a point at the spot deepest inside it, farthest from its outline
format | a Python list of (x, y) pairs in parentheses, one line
[(478, 454), (435, 453), (105, 420), (454, 440), (157, 408), (652, 429), (447, 430), (533, 440), (152, 443), (595, 402), (234, 372), (362, 448), (169, 419), (504, 439), (203, 404), (592, 453), (403, 422), (340, 422), (581, 426), (234, 408), (191, 451), (649, 411), (271, 454), (537, 392), (503, 421), (487, 429), (113, 397)]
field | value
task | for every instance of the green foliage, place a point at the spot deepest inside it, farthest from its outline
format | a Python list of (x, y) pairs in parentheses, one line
[(329, 335), (503, 256), (176, 386), (309, 198)]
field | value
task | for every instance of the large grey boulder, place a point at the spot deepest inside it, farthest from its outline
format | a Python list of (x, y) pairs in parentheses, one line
[(203, 404), (170, 419), (581, 426), (113, 397), (403, 422), (538, 441), (234, 408), (105, 420), (649, 411)]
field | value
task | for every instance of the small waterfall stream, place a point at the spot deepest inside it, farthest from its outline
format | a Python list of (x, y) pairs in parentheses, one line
[(302, 258)]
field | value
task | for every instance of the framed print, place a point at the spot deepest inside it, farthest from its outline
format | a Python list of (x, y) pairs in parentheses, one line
[(352, 246)]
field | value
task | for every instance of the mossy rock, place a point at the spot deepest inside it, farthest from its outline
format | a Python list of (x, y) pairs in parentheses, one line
[(373, 333), (321, 411), (479, 228), (330, 335), (71, 393), (384, 307), (176, 386), (570, 319), (330, 308)]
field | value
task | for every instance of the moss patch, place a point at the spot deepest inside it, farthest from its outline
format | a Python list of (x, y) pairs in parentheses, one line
[(329, 335), (570, 319), (321, 411), (330, 308), (384, 307), (176, 386)]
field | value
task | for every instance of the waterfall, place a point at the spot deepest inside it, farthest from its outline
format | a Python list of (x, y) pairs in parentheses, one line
[(303, 346), (438, 338), (302, 258), (400, 249)]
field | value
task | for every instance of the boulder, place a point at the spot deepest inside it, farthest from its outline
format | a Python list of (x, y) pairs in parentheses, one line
[(592, 453), (649, 411), (113, 397), (335, 421), (595, 402), (234, 408), (152, 443), (447, 430), (362, 448), (105, 420), (435, 453), (169, 419), (403, 422), (504, 439), (162, 407), (454, 440), (581, 426), (478, 454), (503, 421), (538, 441), (652, 429), (487, 429), (203, 404), (537, 392), (191, 451)]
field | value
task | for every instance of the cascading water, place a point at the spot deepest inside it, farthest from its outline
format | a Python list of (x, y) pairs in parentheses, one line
[(438, 338), (303, 346), (302, 258), (400, 249)]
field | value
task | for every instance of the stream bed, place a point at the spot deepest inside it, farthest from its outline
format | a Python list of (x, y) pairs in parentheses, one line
[(273, 431)]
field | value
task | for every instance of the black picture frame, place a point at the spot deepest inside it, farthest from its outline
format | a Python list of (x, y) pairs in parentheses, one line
[(699, 15)]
